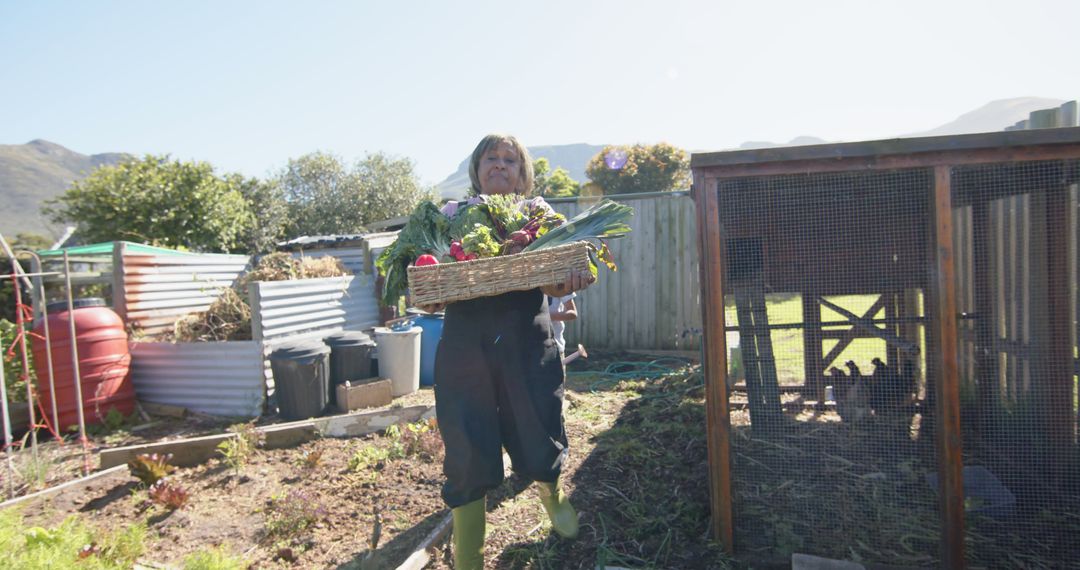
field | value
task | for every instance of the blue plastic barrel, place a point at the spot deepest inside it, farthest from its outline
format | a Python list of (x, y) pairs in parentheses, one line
[(429, 343)]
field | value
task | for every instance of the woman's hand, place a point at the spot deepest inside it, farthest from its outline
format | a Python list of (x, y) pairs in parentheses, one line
[(433, 308), (575, 281)]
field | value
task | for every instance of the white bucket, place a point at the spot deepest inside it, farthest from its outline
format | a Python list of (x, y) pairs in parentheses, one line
[(399, 359)]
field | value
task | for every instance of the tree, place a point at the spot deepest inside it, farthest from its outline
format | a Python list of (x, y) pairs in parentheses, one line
[(640, 168), (557, 184), (22, 241), (326, 198), (266, 202), (159, 201)]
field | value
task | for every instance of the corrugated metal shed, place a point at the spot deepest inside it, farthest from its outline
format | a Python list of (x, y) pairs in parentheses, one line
[(220, 378), (152, 291)]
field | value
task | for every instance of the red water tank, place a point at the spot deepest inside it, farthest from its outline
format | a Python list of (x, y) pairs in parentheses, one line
[(104, 363)]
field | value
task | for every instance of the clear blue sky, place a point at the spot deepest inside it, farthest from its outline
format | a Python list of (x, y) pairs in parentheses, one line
[(247, 85)]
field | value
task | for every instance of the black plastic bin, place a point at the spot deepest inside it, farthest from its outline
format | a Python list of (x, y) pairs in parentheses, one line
[(350, 359), (301, 376)]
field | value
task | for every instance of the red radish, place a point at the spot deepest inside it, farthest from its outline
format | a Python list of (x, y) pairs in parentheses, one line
[(426, 259)]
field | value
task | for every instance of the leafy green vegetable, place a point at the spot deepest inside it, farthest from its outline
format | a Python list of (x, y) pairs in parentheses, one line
[(497, 225), (605, 219), (481, 241)]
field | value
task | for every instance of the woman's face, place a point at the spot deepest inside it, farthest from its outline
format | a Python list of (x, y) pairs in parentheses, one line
[(499, 170)]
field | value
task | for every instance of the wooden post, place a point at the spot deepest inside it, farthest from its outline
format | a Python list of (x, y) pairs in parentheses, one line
[(986, 356), (812, 347), (717, 418), (944, 369), (1057, 365)]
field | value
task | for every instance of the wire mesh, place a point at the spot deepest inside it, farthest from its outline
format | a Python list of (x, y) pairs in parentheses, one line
[(1018, 364), (831, 344), (825, 274)]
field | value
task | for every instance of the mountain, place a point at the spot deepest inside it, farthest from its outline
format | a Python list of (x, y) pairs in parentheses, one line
[(34, 172), (572, 157), (993, 116)]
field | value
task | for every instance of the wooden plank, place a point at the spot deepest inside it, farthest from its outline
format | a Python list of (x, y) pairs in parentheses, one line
[(711, 253), (864, 323), (986, 358), (943, 321), (1057, 378), (813, 365), (991, 147), (107, 478)]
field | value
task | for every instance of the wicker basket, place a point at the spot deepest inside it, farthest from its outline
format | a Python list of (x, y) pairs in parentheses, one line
[(449, 282)]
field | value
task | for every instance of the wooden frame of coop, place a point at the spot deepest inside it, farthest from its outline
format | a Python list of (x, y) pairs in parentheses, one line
[(742, 259)]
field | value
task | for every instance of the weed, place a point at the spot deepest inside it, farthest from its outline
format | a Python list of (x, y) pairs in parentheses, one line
[(290, 513), (34, 470), (149, 468), (217, 558), (419, 439), (238, 451), (71, 544), (311, 460)]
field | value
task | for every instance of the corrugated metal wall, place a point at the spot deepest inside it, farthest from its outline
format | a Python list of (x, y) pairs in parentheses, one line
[(653, 300), (287, 311), (309, 307), (220, 378), (152, 291)]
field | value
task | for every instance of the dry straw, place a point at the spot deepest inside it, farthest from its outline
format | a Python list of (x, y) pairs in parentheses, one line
[(229, 317), (448, 282)]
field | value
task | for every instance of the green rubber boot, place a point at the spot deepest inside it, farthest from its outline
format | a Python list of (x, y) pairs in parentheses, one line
[(469, 523), (563, 517)]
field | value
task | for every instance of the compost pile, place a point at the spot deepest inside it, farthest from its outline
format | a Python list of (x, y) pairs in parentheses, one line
[(229, 318)]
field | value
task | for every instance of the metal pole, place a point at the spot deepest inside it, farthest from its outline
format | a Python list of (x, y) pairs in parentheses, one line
[(48, 344), (75, 365), (18, 268), (25, 365), (7, 428)]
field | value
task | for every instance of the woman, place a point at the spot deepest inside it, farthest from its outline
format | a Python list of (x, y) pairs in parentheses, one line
[(499, 381)]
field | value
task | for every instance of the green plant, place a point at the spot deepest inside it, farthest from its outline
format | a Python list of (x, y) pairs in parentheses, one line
[(238, 451), (71, 544), (290, 513), (169, 495), (217, 558), (12, 362), (34, 470), (149, 468)]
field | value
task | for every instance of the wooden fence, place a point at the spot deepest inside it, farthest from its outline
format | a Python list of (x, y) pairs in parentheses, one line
[(653, 300), (1010, 251)]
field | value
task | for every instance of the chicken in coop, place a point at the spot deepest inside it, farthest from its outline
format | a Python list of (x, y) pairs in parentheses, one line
[(890, 389), (853, 395)]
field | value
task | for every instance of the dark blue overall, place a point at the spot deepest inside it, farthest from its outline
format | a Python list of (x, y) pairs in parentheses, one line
[(498, 383)]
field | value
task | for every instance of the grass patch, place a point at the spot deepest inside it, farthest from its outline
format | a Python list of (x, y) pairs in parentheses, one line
[(71, 544)]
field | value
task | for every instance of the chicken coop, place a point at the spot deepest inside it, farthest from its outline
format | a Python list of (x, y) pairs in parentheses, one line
[(905, 315)]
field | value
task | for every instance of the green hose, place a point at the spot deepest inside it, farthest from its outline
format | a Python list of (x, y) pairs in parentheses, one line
[(618, 371)]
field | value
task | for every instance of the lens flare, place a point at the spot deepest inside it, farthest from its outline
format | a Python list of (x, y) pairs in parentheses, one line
[(615, 159)]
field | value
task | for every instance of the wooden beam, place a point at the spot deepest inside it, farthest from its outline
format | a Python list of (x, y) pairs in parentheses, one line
[(1057, 379), (849, 335), (986, 355), (943, 357), (865, 324), (813, 364), (717, 419)]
